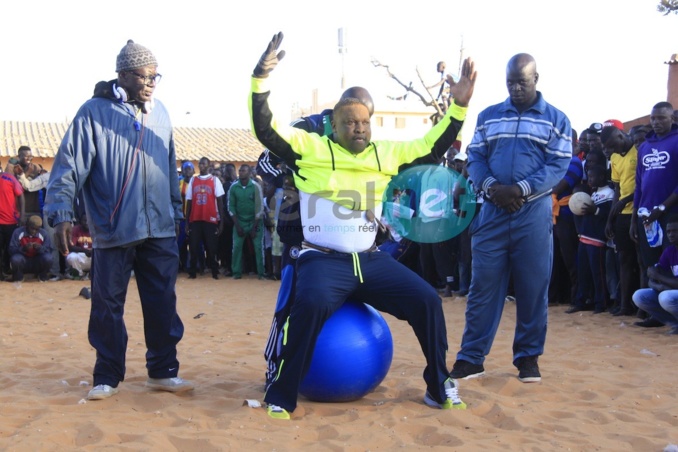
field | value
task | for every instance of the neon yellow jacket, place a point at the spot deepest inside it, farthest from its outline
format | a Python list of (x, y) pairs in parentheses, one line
[(356, 181)]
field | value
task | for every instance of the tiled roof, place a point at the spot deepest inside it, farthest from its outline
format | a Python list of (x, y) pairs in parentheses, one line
[(219, 145), (42, 137)]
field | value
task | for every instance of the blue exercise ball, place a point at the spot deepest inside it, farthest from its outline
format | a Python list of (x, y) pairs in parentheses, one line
[(352, 355)]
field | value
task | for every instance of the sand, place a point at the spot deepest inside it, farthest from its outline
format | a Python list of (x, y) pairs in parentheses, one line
[(607, 385)]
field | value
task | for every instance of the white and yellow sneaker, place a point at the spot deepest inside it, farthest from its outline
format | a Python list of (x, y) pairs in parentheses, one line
[(453, 401)]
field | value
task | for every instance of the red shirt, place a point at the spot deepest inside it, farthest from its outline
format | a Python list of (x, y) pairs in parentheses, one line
[(203, 192), (25, 239), (81, 237), (10, 189)]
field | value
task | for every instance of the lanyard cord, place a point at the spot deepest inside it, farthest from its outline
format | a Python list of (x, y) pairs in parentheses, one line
[(131, 167)]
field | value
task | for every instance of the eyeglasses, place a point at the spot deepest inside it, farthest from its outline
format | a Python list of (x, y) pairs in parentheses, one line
[(147, 79)]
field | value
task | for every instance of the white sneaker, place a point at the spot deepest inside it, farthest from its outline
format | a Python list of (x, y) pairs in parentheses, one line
[(175, 384), (100, 392)]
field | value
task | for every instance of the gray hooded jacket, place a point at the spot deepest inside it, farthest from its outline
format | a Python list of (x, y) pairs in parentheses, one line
[(126, 171)]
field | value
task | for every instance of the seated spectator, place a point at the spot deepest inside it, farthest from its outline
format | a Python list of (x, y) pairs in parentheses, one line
[(79, 257), (30, 250), (661, 299)]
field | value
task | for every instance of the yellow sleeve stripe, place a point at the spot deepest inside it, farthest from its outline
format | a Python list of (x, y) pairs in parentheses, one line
[(457, 112), (260, 85)]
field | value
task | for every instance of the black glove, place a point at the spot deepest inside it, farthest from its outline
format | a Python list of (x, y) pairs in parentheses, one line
[(270, 58)]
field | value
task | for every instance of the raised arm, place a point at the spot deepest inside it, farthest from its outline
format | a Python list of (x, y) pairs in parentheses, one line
[(274, 136)]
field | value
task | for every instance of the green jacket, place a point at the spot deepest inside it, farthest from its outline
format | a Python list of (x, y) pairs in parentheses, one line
[(245, 202)]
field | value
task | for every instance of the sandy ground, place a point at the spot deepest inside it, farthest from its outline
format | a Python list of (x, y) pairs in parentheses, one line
[(607, 385)]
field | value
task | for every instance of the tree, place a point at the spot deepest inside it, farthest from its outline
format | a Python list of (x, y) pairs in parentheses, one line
[(440, 103), (667, 7)]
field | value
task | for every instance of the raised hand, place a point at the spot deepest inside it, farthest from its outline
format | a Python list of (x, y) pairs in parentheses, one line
[(462, 91), (270, 58)]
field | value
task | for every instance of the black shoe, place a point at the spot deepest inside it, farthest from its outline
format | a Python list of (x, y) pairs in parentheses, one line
[(215, 276), (463, 370), (528, 369), (649, 323), (192, 276), (599, 310)]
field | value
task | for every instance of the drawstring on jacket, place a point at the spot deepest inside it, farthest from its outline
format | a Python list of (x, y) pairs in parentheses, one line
[(356, 267)]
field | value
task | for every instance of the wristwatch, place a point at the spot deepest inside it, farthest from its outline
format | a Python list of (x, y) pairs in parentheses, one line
[(661, 207)]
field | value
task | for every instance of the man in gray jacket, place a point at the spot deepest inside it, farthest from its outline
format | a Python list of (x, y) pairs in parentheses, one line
[(119, 150)]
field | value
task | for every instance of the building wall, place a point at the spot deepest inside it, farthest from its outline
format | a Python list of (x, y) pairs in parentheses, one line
[(672, 85)]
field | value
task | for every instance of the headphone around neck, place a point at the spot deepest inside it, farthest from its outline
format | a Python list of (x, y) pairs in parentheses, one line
[(120, 93), (122, 97)]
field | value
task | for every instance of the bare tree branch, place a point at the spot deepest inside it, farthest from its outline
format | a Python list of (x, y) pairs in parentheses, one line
[(433, 99), (667, 7), (408, 88), (440, 105)]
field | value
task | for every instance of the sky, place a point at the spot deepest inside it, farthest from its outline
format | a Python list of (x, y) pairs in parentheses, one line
[(597, 59)]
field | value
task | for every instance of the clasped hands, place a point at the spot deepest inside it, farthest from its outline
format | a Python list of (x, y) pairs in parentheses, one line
[(507, 197)]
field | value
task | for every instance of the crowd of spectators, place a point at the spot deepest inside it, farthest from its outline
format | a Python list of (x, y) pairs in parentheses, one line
[(22, 191), (601, 256)]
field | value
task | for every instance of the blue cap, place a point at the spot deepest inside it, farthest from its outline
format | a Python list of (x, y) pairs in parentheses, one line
[(190, 164)]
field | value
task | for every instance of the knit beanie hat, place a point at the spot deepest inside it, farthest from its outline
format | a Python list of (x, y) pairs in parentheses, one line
[(134, 56)]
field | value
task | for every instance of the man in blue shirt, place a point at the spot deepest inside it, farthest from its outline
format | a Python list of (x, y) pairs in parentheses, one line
[(521, 148)]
